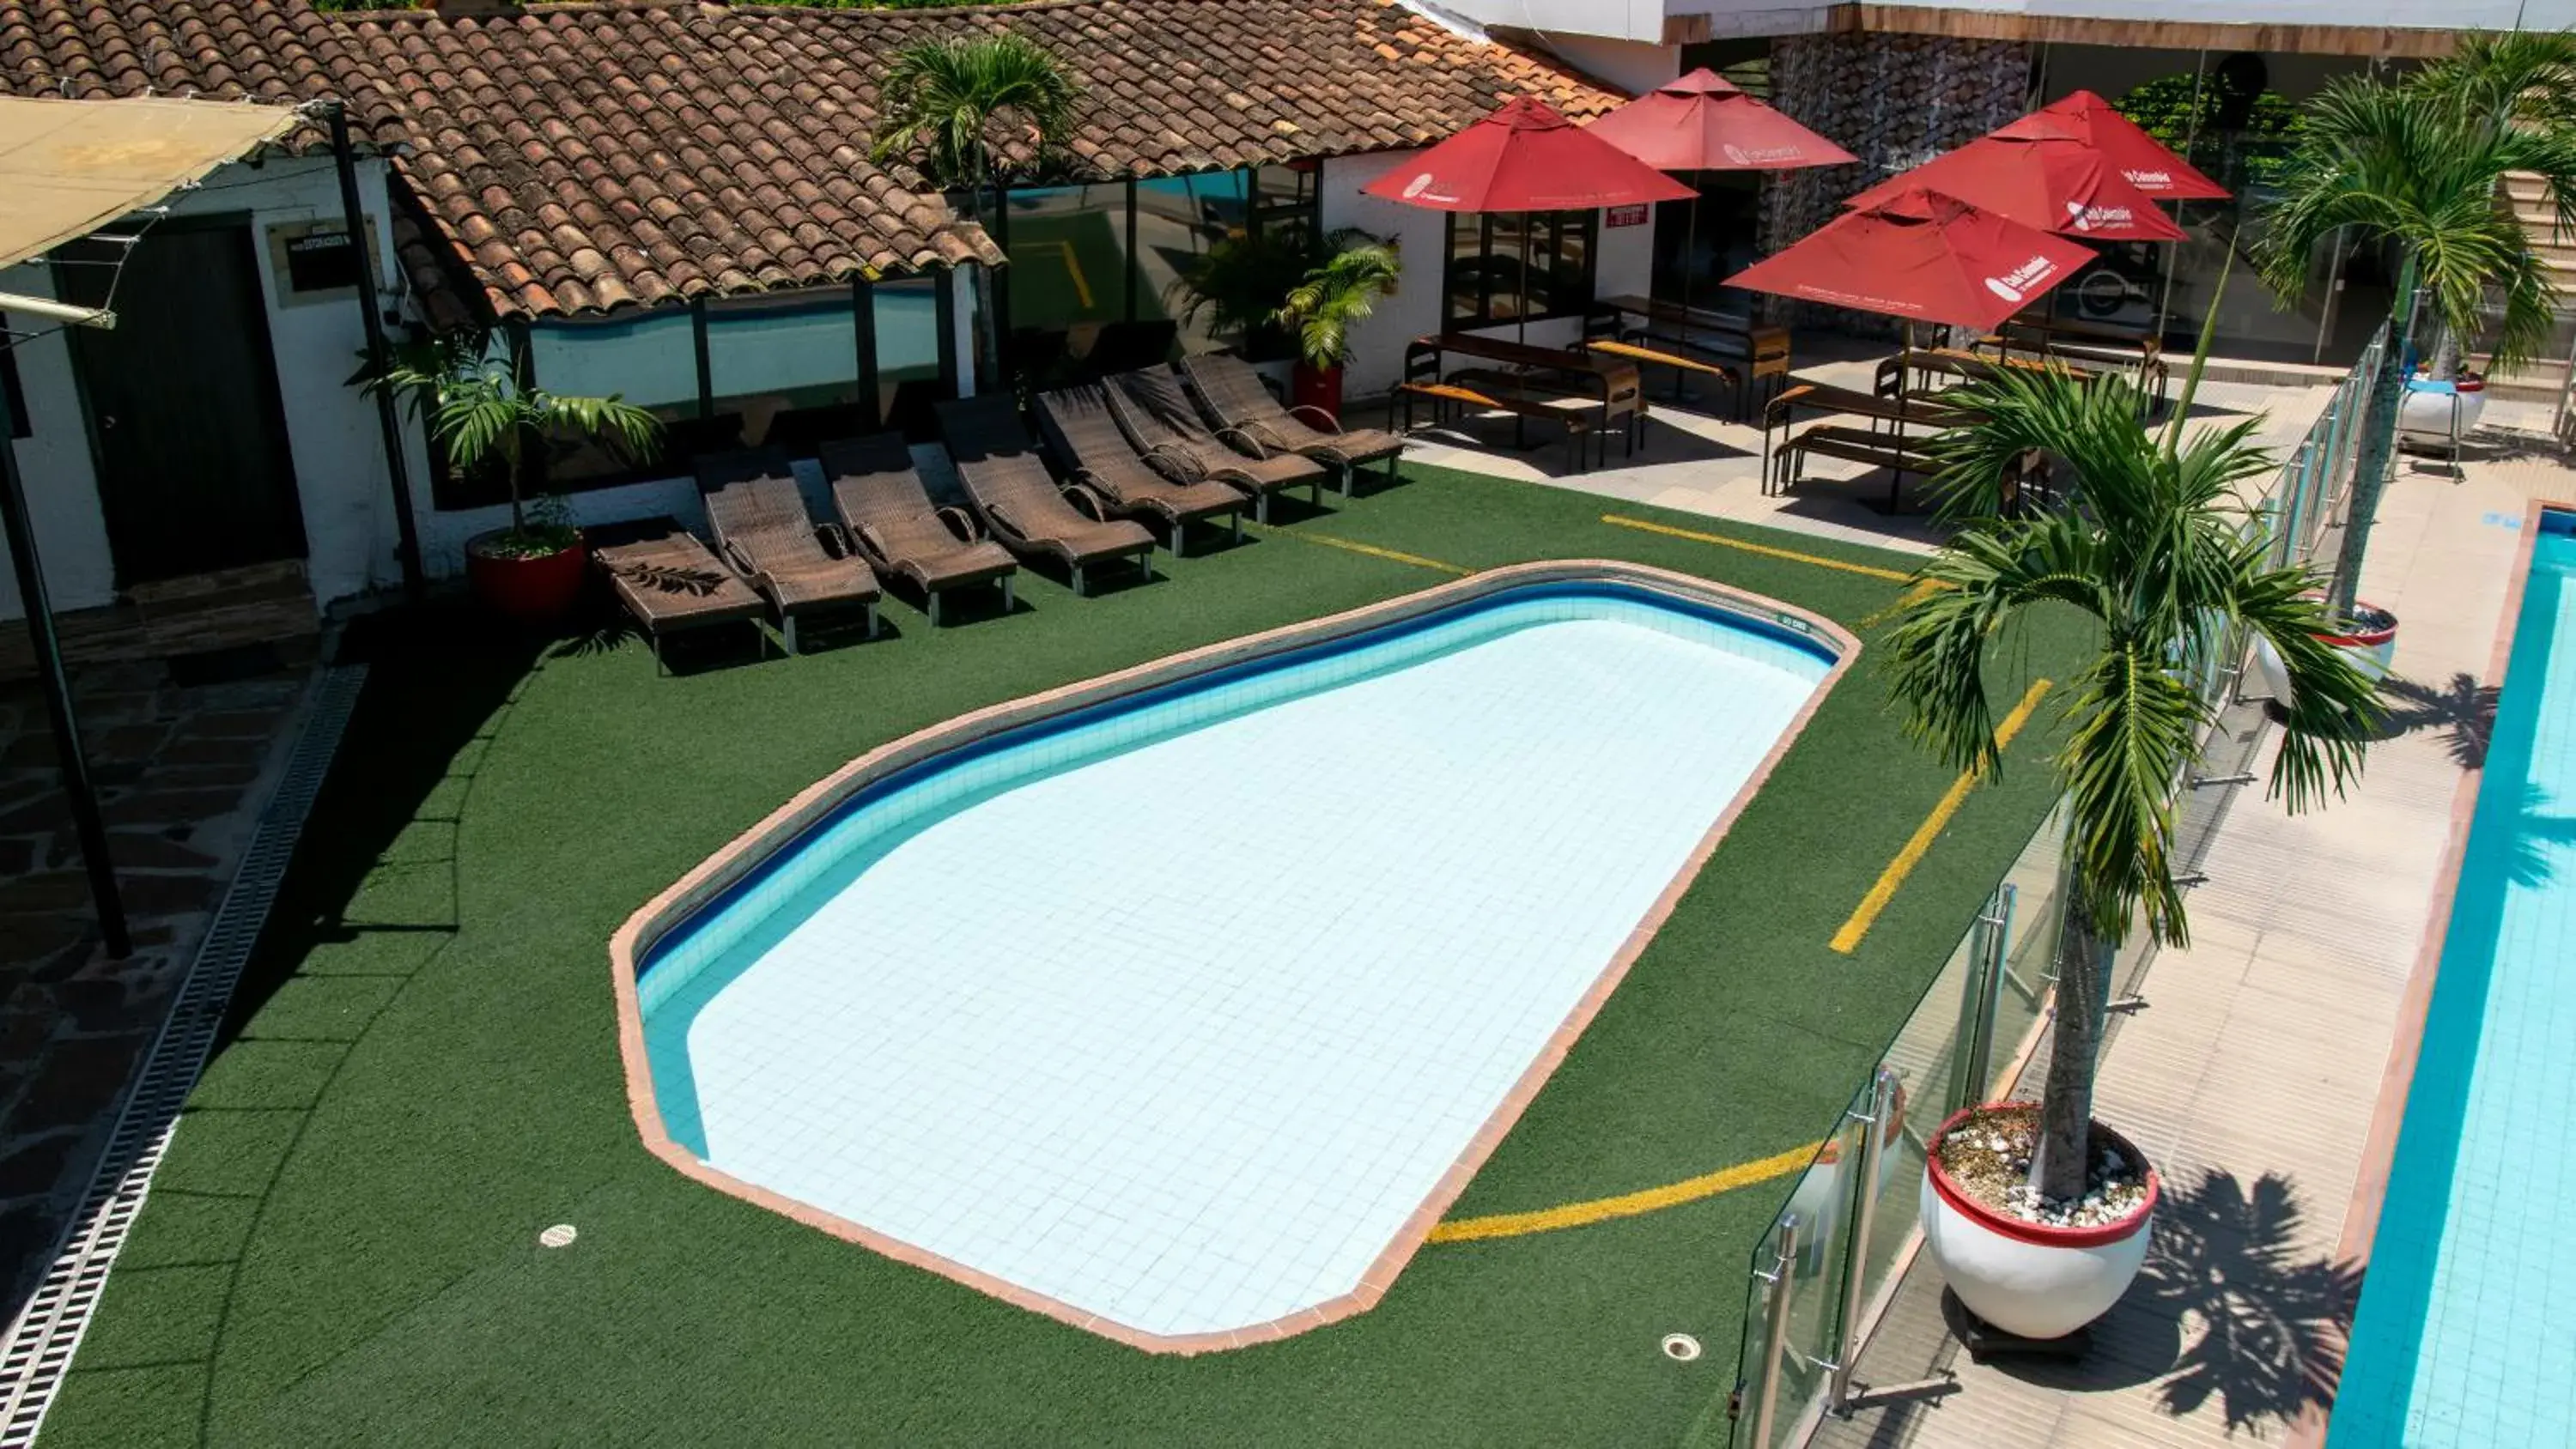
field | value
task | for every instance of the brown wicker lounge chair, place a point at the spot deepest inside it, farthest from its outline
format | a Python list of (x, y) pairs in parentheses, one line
[(763, 530), (895, 527), (1009, 485), (1162, 422), (671, 583), (1232, 394), (1084, 433)]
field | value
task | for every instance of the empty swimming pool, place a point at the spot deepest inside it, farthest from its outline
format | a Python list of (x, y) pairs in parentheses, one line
[(1180, 1006)]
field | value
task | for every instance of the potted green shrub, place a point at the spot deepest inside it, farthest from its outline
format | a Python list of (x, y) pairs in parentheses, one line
[(2037, 1215), (1322, 309), (485, 418)]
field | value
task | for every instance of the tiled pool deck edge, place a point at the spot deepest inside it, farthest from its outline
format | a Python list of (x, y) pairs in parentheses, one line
[(634, 940), (2397, 1080)]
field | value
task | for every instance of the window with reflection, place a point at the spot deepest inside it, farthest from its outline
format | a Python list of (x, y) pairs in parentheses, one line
[(908, 378), (1519, 266), (782, 370), (649, 359), (1179, 219)]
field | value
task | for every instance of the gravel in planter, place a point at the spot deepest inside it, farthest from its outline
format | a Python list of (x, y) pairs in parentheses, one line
[(1988, 1158)]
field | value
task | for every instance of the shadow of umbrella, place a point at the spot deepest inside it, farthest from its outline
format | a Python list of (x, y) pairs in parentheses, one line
[(2274, 1325)]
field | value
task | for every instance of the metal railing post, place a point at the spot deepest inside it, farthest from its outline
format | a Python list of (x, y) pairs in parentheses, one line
[(1775, 1332), (1971, 992), (1882, 1105), (1981, 1042)]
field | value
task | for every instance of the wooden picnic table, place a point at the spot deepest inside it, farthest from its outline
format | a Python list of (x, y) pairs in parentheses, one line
[(1728, 336), (1607, 385), (2137, 348), (1889, 418)]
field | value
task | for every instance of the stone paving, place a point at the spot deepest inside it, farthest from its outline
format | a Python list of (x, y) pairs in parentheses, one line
[(183, 769), (1697, 458)]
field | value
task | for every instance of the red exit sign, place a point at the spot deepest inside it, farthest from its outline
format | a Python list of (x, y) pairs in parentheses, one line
[(1634, 215)]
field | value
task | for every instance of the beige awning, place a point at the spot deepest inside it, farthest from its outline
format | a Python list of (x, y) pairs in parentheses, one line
[(71, 167)]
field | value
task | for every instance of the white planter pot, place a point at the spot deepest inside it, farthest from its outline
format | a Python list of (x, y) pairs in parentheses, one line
[(2029, 1280), (2426, 410), (2371, 650)]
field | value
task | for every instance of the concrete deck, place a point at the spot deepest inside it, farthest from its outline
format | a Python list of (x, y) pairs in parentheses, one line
[(1697, 458), (2252, 1075)]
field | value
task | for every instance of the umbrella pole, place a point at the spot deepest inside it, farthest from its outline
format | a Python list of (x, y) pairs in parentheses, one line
[(1521, 313), (1690, 258)]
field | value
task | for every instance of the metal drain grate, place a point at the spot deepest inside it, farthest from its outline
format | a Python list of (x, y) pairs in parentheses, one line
[(39, 1344)]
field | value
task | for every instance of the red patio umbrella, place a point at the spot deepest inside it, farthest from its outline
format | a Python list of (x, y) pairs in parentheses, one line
[(2061, 185), (1526, 156), (1702, 122), (1923, 256), (2143, 161)]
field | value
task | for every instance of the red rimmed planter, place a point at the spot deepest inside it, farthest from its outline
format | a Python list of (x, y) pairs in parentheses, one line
[(2028, 1279), (530, 588), (1315, 387), (2369, 641)]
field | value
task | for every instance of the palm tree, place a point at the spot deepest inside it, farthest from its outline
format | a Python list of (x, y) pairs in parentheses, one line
[(2154, 546), (478, 409), (1337, 295), (2419, 164), (942, 99)]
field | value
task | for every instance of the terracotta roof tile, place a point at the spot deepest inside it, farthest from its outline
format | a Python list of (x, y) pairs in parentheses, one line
[(585, 157)]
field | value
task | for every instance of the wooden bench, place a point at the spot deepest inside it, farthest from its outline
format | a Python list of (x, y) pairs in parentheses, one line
[(1522, 403), (1681, 364), (1877, 449)]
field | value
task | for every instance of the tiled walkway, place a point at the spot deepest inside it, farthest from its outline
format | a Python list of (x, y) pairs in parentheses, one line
[(183, 768), (2252, 1075)]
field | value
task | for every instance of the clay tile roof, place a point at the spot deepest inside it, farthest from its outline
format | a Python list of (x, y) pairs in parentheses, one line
[(586, 158)]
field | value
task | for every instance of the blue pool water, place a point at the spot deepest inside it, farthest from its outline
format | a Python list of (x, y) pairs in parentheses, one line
[(1176, 1011), (2467, 1328)]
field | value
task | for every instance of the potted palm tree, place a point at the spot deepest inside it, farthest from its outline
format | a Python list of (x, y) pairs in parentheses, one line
[(485, 417), (1321, 310), (2420, 165), (2036, 1214)]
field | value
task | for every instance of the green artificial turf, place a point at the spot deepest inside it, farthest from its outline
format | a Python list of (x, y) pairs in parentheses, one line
[(341, 1246)]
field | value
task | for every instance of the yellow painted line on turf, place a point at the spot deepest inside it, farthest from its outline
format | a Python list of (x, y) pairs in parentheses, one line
[(1764, 549), (1909, 597), (1373, 551), (1865, 914), (1073, 268), (1626, 1204)]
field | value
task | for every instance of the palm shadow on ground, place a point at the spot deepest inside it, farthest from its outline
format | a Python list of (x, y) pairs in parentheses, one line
[(2274, 1324), (2463, 709)]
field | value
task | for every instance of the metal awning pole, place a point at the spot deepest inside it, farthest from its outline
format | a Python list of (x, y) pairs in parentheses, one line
[(336, 115), (58, 693)]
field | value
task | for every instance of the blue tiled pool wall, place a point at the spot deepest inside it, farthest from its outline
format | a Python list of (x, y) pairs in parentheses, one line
[(2414, 1375), (836, 849)]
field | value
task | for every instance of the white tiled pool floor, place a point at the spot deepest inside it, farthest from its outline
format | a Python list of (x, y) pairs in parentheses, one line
[(1182, 1036)]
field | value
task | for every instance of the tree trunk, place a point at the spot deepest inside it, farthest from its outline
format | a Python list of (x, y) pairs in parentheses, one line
[(2084, 965), (510, 466), (2378, 446)]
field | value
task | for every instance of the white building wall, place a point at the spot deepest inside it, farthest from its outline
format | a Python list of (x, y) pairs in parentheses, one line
[(332, 432), (1625, 265), (53, 464)]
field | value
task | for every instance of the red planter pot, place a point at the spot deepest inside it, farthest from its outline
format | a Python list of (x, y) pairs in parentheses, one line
[(1319, 388), (536, 590)]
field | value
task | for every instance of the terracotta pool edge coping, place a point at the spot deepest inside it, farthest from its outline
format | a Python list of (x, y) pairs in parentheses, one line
[(2397, 1079), (714, 874)]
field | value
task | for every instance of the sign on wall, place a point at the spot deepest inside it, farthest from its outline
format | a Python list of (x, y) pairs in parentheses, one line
[(313, 261), (1630, 215)]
